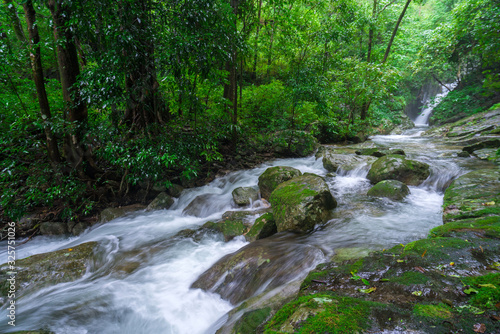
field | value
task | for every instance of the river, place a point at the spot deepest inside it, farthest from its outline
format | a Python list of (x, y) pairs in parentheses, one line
[(155, 297)]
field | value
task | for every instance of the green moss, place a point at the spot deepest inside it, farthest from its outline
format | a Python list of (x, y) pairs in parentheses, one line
[(439, 311), (251, 320), (263, 227), (326, 314), (490, 226), (435, 249), (488, 290), (410, 278)]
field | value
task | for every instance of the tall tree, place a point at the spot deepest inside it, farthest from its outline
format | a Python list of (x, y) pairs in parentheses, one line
[(69, 69), (36, 64)]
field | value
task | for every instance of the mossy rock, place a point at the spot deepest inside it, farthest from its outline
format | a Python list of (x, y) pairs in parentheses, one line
[(487, 227), (486, 143), (392, 189), (229, 228), (250, 321), (301, 203), (273, 177), (475, 194), (161, 202), (54, 228), (41, 270), (243, 196), (436, 311), (396, 167), (264, 227)]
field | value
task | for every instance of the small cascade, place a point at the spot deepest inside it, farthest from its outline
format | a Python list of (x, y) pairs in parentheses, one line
[(430, 103)]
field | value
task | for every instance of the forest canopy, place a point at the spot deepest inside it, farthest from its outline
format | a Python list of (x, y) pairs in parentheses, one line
[(98, 97)]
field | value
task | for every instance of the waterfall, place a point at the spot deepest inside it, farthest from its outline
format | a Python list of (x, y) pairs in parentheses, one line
[(430, 103)]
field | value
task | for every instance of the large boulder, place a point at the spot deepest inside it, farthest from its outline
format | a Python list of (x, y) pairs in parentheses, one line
[(301, 203), (41, 270), (54, 228), (161, 202), (268, 262), (273, 176), (243, 196), (392, 189), (396, 167)]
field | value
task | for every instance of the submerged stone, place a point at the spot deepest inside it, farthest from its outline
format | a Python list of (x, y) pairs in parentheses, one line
[(392, 189), (301, 203), (239, 275)]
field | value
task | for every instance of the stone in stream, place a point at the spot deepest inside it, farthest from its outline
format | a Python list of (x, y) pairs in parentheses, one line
[(392, 189), (113, 213), (379, 152), (41, 270), (301, 203), (267, 263), (333, 161), (161, 202), (204, 205), (243, 196), (273, 176), (397, 167), (264, 227)]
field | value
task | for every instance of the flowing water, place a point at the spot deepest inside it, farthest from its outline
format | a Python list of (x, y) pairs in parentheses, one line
[(430, 102), (155, 297)]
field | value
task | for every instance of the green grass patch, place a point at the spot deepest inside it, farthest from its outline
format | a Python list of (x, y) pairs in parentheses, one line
[(488, 290)]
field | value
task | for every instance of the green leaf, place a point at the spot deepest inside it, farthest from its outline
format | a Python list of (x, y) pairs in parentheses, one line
[(369, 290)]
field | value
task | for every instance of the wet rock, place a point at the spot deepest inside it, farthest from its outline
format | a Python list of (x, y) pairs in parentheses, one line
[(54, 228), (41, 270), (175, 190), (161, 202), (239, 276), (273, 176), (228, 228), (28, 222), (113, 213), (396, 167), (333, 161), (264, 227), (343, 254), (79, 228), (487, 154), (475, 194), (487, 143), (301, 203), (243, 196), (379, 152), (392, 189), (463, 154), (201, 206)]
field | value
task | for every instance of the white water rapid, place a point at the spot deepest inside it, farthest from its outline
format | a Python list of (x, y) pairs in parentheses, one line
[(430, 103), (156, 296)]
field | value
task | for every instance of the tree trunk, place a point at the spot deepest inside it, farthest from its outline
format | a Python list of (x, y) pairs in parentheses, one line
[(395, 31), (75, 109), (254, 69), (371, 32), (14, 19), (36, 64)]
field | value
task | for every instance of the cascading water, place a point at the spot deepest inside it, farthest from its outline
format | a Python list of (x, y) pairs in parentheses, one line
[(155, 295), (430, 103)]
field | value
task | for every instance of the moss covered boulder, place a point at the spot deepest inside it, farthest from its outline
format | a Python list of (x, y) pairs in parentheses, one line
[(274, 176), (243, 196), (392, 189), (228, 228), (475, 194), (396, 167), (301, 203), (41, 270), (239, 275), (113, 213), (264, 227)]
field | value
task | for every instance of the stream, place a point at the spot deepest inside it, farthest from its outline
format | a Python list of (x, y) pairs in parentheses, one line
[(155, 297)]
